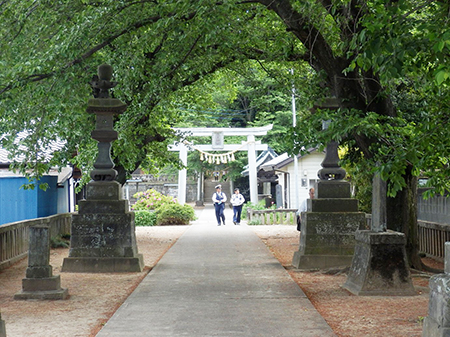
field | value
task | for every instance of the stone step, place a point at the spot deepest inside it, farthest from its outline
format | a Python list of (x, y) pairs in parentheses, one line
[(210, 189)]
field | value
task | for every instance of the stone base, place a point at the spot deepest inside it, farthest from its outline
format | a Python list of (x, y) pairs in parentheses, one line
[(327, 239), (437, 324), (333, 205), (48, 288), (312, 262), (60, 294), (103, 264), (432, 329), (2, 327), (103, 238), (379, 266), (41, 284), (326, 189)]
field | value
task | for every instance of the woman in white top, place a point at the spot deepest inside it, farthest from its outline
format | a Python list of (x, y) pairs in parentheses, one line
[(237, 200)]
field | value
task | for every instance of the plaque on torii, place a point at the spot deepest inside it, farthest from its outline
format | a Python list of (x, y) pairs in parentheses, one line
[(217, 140)]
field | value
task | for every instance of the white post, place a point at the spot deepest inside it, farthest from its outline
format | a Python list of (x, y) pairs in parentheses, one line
[(127, 190), (199, 200), (202, 191), (71, 196), (182, 176), (252, 169), (294, 124)]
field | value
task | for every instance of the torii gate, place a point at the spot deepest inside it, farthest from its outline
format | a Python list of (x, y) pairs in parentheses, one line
[(217, 144)]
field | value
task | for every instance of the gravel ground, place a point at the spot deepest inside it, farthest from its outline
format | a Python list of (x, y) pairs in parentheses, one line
[(347, 314), (95, 297)]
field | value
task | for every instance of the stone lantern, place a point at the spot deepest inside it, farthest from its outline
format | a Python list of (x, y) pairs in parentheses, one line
[(333, 233), (332, 217), (105, 108), (103, 237), (330, 164)]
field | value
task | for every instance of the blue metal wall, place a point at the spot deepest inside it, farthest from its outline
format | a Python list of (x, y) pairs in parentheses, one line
[(18, 204), (47, 201)]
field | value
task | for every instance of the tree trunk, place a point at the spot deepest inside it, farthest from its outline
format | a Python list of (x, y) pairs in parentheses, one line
[(121, 174), (364, 93), (402, 217)]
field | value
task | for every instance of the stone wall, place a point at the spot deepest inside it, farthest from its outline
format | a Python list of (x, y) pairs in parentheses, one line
[(170, 189)]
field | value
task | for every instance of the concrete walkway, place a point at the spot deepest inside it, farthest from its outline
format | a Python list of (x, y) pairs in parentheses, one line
[(217, 281)]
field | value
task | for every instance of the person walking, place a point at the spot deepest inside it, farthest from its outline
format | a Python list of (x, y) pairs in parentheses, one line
[(219, 198), (237, 200)]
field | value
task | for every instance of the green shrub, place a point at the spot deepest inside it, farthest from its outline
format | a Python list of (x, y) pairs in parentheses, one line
[(145, 218), (174, 214), (261, 205), (254, 223), (151, 200), (60, 241)]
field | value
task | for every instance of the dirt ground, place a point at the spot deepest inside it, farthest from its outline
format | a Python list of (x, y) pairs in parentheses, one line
[(95, 297), (347, 314)]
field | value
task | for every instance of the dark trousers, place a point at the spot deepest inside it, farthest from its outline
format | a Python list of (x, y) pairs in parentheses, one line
[(219, 212), (299, 222), (237, 210)]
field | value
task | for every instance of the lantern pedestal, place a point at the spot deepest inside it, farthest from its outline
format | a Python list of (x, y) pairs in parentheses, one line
[(327, 237), (379, 266), (103, 235)]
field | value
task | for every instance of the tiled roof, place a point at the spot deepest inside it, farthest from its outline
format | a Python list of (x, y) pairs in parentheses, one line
[(264, 156), (45, 152), (283, 160), (3, 156)]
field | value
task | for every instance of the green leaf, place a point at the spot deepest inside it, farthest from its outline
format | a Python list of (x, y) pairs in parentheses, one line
[(441, 76)]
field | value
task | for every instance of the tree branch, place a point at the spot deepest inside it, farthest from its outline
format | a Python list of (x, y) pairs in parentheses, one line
[(31, 10), (184, 58), (110, 39)]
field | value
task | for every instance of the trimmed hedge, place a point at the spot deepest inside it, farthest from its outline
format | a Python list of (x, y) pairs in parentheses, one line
[(145, 218), (175, 214), (153, 208)]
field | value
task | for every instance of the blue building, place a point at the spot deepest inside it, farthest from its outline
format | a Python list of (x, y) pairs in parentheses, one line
[(17, 203)]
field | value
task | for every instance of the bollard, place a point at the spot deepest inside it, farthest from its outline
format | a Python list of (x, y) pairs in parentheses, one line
[(39, 282)]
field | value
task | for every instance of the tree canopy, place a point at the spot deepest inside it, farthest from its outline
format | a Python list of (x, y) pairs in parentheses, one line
[(50, 51), (385, 63)]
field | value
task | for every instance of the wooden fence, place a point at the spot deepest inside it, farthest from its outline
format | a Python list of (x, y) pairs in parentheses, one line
[(432, 236), (284, 216), (14, 236)]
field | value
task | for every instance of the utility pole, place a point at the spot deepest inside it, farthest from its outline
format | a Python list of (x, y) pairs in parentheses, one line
[(294, 124)]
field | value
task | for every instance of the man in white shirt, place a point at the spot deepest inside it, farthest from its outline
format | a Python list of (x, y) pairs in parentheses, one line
[(237, 200), (303, 208), (219, 198)]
